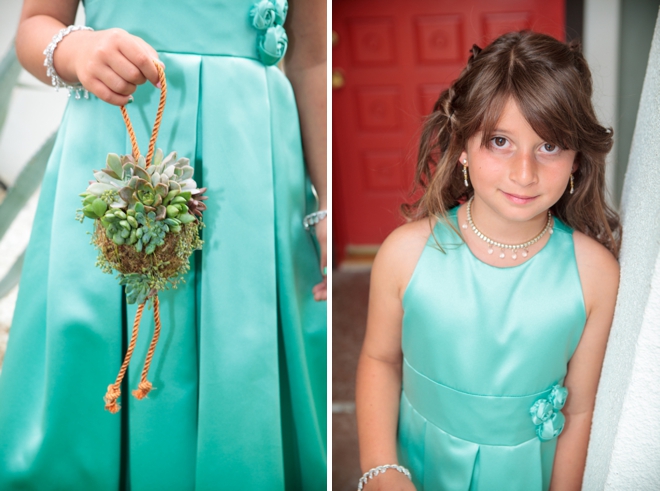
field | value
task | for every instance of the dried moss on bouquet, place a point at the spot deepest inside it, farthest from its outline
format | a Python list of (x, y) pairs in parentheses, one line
[(148, 221)]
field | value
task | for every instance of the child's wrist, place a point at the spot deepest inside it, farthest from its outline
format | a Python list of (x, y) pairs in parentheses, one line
[(381, 458), (381, 469), (65, 54)]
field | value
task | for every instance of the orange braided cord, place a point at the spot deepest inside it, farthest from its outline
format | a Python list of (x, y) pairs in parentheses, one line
[(157, 122), (159, 113), (114, 389), (145, 386), (131, 133)]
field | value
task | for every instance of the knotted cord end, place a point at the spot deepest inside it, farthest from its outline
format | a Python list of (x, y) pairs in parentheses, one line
[(142, 390), (110, 399)]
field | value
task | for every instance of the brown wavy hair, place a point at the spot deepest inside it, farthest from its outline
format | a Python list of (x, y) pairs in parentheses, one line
[(551, 83)]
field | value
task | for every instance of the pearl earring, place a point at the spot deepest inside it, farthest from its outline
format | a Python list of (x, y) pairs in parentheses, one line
[(465, 174), (572, 187)]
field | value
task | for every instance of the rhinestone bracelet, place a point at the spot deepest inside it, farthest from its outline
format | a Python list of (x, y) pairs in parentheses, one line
[(313, 218), (371, 473), (50, 67)]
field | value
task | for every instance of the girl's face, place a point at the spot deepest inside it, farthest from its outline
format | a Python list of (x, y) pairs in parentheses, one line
[(517, 175)]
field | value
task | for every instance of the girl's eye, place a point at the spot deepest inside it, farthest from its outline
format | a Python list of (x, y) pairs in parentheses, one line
[(499, 141), (550, 148)]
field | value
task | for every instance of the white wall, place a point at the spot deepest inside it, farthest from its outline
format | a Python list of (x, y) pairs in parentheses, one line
[(624, 450), (635, 460)]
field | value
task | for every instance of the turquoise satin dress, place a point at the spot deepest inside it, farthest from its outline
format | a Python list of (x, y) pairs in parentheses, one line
[(240, 369), (485, 355)]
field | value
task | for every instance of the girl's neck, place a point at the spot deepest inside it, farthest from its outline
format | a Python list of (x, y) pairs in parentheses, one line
[(501, 229)]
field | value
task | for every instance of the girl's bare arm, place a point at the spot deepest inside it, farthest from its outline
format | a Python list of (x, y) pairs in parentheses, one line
[(109, 63), (305, 65), (599, 274), (379, 369)]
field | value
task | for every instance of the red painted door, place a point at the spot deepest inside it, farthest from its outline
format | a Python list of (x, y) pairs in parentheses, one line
[(391, 60)]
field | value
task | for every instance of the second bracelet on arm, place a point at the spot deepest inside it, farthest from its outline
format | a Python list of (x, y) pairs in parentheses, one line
[(313, 218)]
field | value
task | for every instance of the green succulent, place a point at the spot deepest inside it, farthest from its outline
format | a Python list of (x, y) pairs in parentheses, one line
[(120, 227), (166, 187), (175, 170), (152, 232), (138, 287), (105, 188)]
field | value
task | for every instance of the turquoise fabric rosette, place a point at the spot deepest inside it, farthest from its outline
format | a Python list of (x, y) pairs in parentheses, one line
[(269, 16), (272, 45), (263, 15), (546, 413), (281, 9)]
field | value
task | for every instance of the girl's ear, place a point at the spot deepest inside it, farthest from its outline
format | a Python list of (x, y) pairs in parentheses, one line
[(463, 157), (576, 162)]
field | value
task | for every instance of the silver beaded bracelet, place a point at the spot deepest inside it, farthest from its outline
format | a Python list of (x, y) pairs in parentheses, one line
[(50, 67), (313, 218), (371, 473)]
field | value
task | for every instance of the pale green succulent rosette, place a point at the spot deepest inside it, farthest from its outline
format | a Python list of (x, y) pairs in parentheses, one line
[(148, 221)]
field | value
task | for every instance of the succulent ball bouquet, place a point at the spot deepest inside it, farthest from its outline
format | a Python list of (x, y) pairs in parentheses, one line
[(148, 220)]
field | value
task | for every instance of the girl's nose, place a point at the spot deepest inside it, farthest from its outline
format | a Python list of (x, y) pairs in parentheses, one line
[(523, 169)]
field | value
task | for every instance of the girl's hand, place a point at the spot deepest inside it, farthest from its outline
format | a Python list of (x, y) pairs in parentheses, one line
[(109, 63), (391, 480), (321, 290)]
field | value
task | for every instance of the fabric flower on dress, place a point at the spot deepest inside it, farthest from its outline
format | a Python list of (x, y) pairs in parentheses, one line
[(558, 396), (263, 15), (551, 428), (281, 9), (268, 16), (273, 45), (547, 416), (541, 411)]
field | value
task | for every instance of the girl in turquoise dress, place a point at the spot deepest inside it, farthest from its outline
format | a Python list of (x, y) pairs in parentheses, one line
[(489, 312), (239, 374)]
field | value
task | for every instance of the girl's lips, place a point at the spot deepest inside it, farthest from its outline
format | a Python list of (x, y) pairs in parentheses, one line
[(519, 200)]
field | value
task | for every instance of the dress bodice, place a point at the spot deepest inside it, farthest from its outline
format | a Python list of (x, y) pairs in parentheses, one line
[(488, 330), (206, 27)]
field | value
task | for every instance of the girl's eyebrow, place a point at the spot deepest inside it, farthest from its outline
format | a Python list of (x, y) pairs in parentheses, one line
[(500, 130)]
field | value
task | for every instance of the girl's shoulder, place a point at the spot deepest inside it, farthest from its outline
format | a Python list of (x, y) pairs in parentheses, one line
[(592, 254), (401, 250), (598, 270), (413, 236)]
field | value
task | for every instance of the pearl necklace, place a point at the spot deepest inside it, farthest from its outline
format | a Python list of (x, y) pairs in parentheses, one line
[(499, 245)]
